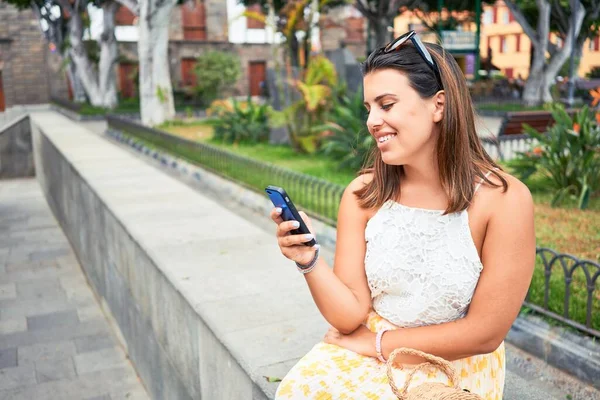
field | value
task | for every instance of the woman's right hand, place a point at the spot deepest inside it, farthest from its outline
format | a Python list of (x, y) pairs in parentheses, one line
[(292, 246)]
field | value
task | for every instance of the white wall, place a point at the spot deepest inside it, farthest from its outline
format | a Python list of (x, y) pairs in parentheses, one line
[(122, 33), (238, 33)]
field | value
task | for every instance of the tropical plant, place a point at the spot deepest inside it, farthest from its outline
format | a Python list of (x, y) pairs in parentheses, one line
[(314, 90), (594, 73), (345, 135), (214, 71), (239, 122), (569, 154)]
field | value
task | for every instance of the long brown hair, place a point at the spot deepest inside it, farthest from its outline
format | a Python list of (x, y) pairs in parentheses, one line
[(461, 158)]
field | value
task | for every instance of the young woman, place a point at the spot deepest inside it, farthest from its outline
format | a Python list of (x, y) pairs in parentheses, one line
[(435, 243)]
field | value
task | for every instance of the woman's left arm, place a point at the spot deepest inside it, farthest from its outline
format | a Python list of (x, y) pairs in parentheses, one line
[(508, 256)]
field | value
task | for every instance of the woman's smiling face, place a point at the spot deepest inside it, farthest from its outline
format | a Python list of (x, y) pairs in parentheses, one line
[(402, 123)]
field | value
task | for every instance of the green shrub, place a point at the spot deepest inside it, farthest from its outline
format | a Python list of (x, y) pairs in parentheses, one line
[(346, 138), (569, 154), (241, 123), (215, 70), (594, 73), (315, 87)]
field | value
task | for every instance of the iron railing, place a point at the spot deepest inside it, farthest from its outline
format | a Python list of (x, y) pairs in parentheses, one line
[(322, 199), (579, 290)]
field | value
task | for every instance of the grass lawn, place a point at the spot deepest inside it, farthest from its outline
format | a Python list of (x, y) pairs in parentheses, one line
[(565, 229), (125, 106), (507, 107), (281, 155)]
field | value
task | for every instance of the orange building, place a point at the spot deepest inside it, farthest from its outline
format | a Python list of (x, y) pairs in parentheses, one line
[(502, 35)]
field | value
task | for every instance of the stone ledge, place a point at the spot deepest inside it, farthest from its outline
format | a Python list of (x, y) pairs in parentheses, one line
[(576, 354), (573, 353), (204, 302)]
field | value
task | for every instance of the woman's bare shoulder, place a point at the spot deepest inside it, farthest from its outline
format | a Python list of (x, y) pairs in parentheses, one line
[(360, 181), (517, 194), (350, 205)]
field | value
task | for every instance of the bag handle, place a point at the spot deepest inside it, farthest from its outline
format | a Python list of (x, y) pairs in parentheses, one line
[(438, 362)]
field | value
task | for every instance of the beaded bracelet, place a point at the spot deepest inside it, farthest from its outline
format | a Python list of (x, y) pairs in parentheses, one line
[(305, 269), (378, 345)]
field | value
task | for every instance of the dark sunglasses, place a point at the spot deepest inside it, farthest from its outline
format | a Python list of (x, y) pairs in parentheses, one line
[(412, 36)]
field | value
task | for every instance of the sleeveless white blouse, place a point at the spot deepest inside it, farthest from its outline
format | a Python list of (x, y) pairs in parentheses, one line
[(422, 266)]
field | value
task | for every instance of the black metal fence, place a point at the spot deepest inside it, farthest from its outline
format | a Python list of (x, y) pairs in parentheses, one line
[(569, 297), (570, 287), (321, 198)]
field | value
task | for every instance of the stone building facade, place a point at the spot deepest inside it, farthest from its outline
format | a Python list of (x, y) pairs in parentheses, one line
[(344, 27), (196, 27), (25, 77), (30, 73)]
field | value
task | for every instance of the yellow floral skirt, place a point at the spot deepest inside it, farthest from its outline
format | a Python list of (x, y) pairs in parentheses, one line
[(332, 372)]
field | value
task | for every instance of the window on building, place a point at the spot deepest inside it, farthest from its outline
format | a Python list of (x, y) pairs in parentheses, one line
[(188, 76), (518, 37), (124, 16), (509, 72), (597, 43), (193, 20), (252, 23), (488, 16), (128, 74), (495, 12), (503, 44), (506, 17), (257, 73)]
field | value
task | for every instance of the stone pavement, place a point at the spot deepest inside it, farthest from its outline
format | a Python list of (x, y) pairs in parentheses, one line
[(488, 126), (55, 342)]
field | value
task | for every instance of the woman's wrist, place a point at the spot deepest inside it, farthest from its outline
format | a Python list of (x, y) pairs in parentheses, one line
[(308, 267), (379, 346)]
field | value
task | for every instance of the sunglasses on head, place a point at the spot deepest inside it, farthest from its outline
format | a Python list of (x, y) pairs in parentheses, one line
[(412, 37)]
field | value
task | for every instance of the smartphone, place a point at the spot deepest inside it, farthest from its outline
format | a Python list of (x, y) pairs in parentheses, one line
[(288, 211)]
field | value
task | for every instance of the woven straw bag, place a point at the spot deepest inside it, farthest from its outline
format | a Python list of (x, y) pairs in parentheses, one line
[(428, 390)]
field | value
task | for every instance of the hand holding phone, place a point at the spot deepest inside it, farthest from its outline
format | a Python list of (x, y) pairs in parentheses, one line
[(292, 239)]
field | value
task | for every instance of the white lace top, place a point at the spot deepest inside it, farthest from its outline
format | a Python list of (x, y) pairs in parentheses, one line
[(422, 266)]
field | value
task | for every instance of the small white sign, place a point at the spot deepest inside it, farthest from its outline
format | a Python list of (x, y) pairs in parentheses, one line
[(458, 40)]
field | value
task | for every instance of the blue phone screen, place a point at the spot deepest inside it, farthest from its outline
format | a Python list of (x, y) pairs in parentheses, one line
[(278, 201)]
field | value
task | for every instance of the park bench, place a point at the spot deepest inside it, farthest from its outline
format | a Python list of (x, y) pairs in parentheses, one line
[(512, 124)]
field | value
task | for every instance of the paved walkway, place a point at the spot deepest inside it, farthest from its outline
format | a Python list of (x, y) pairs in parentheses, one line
[(55, 343), (488, 126)]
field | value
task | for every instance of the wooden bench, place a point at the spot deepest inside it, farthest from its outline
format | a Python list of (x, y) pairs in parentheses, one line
[(512, 124)]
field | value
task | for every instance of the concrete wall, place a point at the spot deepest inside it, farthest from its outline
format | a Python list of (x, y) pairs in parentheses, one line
[(202, 299), (16, 152)]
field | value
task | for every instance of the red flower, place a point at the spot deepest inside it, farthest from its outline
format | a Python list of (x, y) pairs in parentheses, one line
[(595, 93)]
